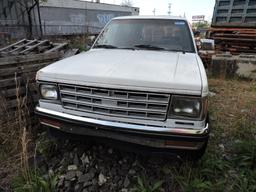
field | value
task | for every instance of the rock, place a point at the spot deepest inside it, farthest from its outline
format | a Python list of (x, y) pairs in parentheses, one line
[(70, 175), (87, 184), (76, 160), (113, 171), (79, 173), (61, 181), (120, 183), (126, 182), (110, 150), (78, 188), (72, 168), (101, 179), (84, 178), (85, 159), (124, 190), (135, 163), (94, 182), (120, 162), (67, 185), (92, 172)]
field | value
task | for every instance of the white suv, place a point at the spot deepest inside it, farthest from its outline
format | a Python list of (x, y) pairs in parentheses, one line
[(141, 82)]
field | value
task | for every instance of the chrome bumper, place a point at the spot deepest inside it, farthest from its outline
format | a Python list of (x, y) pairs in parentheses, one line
[(126, 126)]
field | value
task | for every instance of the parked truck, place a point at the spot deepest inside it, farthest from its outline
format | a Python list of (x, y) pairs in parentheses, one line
[(142, 82), (233, 30), (234, 26)]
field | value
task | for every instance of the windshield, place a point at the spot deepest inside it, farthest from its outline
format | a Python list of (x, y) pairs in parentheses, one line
[(150, 34)]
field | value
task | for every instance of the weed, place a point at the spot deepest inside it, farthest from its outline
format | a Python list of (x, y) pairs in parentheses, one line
[(45, 146), (253, 87), (144, 186), (246, 154), (37, 183)]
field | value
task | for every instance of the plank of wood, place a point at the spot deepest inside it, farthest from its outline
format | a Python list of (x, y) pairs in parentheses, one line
[(30, 58), (11, 82), (23, 46), (34, 46), (22, 69), (10, 46), (60, 46)]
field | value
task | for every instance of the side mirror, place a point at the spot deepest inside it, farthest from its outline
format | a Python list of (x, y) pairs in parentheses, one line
[(207, 45)]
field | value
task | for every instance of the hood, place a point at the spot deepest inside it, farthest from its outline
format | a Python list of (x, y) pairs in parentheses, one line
[(163, 71)]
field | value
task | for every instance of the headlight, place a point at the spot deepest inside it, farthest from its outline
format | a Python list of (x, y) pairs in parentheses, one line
[(190, 107), (49, 92)]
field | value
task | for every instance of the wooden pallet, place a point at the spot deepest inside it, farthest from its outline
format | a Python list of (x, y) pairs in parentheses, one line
[(25, 47), (19, 71)]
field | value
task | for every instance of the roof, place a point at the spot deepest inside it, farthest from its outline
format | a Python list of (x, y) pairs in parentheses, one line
[(151, 17)]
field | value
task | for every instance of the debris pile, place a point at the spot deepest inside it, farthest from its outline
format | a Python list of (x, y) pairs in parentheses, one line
[(19, 63)]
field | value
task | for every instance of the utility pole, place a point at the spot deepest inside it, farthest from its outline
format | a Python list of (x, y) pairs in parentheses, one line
[(154, 11), (169, 7)]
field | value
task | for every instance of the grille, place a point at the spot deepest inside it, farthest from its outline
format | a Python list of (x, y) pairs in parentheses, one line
[(121, 103)]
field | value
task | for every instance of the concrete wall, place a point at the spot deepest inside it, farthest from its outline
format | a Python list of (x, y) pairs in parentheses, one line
[(58, 17), (77, 17), (230, 66)]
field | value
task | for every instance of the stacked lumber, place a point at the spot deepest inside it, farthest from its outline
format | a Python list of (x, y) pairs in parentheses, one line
[(17, 79), (234, 40), (19, 63)]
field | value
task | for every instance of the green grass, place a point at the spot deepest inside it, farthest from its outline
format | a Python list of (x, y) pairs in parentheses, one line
[(144, 186), (36, 182)]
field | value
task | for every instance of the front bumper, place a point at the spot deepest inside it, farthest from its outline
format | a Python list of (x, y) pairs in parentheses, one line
[(158, 137)]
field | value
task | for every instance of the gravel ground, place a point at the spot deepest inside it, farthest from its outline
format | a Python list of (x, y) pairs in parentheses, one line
[(92, 166)]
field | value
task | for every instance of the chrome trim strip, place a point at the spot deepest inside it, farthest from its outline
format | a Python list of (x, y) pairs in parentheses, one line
[(113, 98), (128, 126), (115, 108)]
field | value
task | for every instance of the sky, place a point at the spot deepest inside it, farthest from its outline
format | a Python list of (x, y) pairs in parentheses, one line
[(178, 7)]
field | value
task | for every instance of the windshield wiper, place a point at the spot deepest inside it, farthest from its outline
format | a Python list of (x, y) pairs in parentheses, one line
[(112, 47), (105, 46), (180, 50), (149, 47)]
